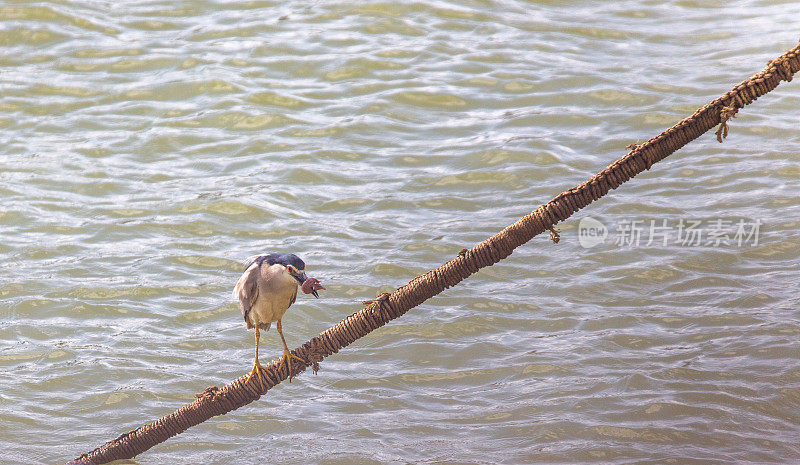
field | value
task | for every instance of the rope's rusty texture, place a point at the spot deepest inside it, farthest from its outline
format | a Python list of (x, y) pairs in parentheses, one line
[(386, 307)]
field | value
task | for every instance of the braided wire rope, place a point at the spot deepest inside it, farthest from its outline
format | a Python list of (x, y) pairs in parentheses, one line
[(388, 306)]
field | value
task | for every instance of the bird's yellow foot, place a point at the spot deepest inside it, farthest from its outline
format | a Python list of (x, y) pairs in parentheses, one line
[(287, 357), (258, 373)]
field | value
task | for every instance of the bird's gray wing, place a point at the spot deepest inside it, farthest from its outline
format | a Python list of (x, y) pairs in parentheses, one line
[(247, 289), (257, 259), (294, 297)]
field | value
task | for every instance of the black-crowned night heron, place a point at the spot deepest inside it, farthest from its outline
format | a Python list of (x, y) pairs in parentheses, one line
[(265, 291)]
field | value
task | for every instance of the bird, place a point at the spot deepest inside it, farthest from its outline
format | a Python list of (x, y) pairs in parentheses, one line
[(266, 289)]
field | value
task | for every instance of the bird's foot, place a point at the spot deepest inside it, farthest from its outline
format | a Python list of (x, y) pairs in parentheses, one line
[(258, 372), (287, 357)]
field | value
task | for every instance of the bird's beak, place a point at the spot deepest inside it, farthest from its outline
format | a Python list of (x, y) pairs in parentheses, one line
[(301, 278)]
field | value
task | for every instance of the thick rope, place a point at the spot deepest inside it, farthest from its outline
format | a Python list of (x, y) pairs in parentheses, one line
[(386, 307)]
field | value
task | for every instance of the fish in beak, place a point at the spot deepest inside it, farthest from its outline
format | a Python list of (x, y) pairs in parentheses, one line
[(311, 286)]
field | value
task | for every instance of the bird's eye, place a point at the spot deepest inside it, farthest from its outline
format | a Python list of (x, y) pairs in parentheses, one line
[(291, 269)]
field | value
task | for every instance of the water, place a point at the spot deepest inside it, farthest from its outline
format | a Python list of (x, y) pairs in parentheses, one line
[(147, 148)]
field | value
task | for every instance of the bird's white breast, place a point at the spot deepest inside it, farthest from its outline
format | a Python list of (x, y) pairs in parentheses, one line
[(276, 291)]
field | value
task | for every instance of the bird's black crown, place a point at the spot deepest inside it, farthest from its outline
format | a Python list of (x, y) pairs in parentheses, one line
[(284, 259)]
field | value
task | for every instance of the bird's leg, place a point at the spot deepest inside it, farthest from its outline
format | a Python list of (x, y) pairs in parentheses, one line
[(287, 356), (256, 366)]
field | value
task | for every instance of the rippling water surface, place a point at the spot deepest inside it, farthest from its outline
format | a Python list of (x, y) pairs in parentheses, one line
[(146, 148)]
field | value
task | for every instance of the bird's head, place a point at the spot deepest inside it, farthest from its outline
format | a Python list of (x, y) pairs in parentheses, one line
[(296, 268)]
